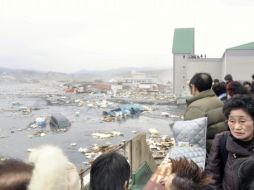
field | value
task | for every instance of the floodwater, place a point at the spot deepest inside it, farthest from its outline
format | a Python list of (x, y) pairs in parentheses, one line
[(16, 137)]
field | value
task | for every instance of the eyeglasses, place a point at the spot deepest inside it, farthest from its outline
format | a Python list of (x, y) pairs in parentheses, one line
[(240, 121)]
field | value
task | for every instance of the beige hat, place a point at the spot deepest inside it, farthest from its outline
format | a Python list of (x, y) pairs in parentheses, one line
[(52, 170)]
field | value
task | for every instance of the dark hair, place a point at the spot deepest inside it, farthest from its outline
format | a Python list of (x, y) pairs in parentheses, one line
[(228, 77), (245, 174), (216, 80), (109, 172), (246, 83), (244, 102), (252, 76), (219, 88), (202, 81), (188, 176), (235, 87), (15, 174)]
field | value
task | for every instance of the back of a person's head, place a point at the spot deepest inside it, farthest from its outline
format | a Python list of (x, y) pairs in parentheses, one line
[(202, 81), (246, 83), (15, 174), (234, 88), (247, 86), (228, 77), (109, 171), (188, 176), (219, 88), (216, 81)]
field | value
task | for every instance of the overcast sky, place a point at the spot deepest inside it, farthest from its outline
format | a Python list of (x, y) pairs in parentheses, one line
[(71, 35)]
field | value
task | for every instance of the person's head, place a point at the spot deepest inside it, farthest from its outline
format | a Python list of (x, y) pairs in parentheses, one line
[(247, 85), (219, 88), (186, 175), (110, 171), (15, 174), (228, 78), (234, 88), (243, 169), (252, 77), (216, 81), (200, 82), (239, 112)]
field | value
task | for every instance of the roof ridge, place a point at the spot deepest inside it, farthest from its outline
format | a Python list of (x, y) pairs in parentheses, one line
[(246, 46)]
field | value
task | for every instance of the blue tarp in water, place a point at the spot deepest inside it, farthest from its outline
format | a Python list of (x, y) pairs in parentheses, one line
[(125, 110)]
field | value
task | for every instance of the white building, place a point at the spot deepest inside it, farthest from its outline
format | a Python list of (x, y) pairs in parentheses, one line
[(139, 79), (237, 61)]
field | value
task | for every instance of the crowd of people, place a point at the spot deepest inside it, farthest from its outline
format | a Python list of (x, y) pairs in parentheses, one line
[(229, 107)]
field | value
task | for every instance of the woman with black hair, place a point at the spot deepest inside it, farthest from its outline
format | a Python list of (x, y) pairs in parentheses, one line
[(236, 143)]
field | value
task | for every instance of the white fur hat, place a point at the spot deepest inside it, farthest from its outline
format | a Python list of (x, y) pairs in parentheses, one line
[(52, 170)]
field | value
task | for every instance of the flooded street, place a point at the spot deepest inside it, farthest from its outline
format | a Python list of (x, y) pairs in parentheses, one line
[(22, 103)]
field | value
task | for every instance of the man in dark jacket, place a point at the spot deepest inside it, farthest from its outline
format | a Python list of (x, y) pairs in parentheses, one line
[(205, 103)]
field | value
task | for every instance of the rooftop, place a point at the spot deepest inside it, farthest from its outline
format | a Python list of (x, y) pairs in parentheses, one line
[(183, 41), (248, 46)]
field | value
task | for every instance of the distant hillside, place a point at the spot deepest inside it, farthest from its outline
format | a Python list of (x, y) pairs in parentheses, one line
[(164, 75), (20, 74)]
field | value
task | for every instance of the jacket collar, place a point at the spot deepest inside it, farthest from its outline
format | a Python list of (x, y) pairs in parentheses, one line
[(236, 148), (201, 95)]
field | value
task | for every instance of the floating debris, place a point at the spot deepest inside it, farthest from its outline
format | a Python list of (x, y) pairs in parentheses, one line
[(77, 113), (159, 145), (166, 114), (124, 111), (83, 150), (153, 132), (42, 134), (93, 152), (2, 137), (29, 150), (59, 121), (106, 134), (73, 144), (40, 122)]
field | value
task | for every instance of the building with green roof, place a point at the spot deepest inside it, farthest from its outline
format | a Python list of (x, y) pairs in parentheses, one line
[(237, 61), (248, 46), (183, 42)]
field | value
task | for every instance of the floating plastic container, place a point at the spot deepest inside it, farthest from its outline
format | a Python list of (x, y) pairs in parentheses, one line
[(41, 122)]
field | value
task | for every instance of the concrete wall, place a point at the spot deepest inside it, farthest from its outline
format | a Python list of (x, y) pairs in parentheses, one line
[(240, 64), (209, 65), (179, 73)]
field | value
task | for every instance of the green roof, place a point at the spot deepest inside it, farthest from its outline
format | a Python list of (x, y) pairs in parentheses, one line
[(248, 46), (183, 41)]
